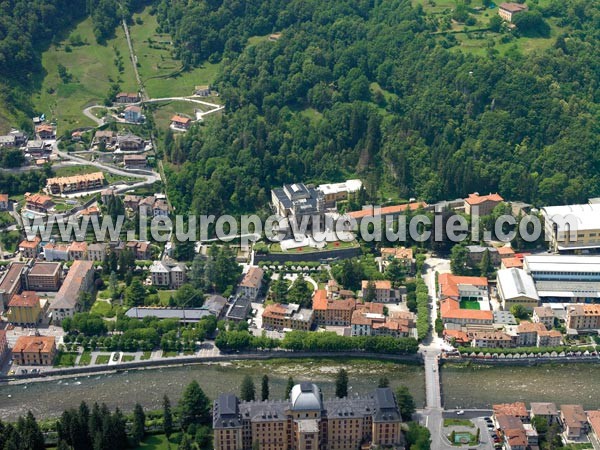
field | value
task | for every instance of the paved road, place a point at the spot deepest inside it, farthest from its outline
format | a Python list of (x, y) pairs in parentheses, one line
[(88, 113), (134, 60)]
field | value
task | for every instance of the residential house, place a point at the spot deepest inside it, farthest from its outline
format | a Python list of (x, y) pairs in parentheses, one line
[(481, 205), (8, 141), (97, 252), (181, 123), (127, 97), (146, 206), (516, 287), (34, 351), (527, 333), (583, 317), (106, 137), (384, 293), (512, 431), (505, 252), (25, 309), (160, 208), (551, 338), (330, 311), (457, 338), (574, 420), (76, 183), (364, 316), (402, 255), (169, 275), (202, 91), (78, 251), (30, 248), (4, 202), (43, 277), (251, 283), (135, 162), (45, 132), (38, 203), (543, 314), (475, 255), (508, 10), (107, 194), (594, 423), (132, 202), (141, 250), (35, 149), (56, 252), (280, 317), (215, 304), (130, 143), (516, 409), (79, 279), (491, 339), (133, 114), (546, 411)]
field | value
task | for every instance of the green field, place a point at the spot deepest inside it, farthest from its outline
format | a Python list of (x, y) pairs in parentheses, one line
[(86, 358), (164, 297), (127, 358), (469, 304), (92, 70), (160, 72), (102, 359)]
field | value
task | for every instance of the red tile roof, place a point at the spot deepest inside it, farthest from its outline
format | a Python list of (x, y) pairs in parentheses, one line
[(367, 212), (476, 199), (450, 309), (34, 344), (379, 284), (320, 300), (27, 299), (449, 283)]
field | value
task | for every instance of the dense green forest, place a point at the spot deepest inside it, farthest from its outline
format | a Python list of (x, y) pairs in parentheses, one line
[(368, 88)]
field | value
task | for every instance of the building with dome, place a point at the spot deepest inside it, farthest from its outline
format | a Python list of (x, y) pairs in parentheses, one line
[(307, 422)]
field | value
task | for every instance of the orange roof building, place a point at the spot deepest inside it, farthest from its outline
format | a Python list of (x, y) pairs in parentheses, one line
[(330, 311), (63, 185), (34, 350), (516, 409), (452, 313), (459, 287), (385, 211), (181, 122), (482, 205)]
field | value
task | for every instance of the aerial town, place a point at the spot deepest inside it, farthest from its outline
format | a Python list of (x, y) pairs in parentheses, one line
[(299, 225)]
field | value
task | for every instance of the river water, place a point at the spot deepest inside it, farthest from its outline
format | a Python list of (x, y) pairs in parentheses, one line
[(482, 386), (462, 387), (50, 398)]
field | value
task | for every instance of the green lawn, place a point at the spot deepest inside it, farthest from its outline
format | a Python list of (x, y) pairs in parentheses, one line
[(102, 359), (164, 297), (65, 359), (101, 307), (469, 304), (6, 220), (146, 355), (158, 70), (92, 69), (86, 358), (170, 354), (158, 442), (458, 423), (164, 112), (127, 358)]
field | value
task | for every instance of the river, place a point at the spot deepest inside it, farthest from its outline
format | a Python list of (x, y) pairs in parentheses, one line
[(482, 386), (50, 398)]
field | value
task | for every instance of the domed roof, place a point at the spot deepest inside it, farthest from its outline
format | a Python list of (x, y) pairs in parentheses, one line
[(306, 397)]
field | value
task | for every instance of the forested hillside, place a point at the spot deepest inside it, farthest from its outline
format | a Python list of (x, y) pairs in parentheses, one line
[(27, 28), (368, 88)]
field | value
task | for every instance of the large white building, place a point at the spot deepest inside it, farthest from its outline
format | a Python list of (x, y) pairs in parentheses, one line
[(565, 278), (515, 286), (573, 227), (335, 192)]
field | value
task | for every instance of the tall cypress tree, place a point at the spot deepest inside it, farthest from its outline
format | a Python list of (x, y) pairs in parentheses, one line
[(264, 389)]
